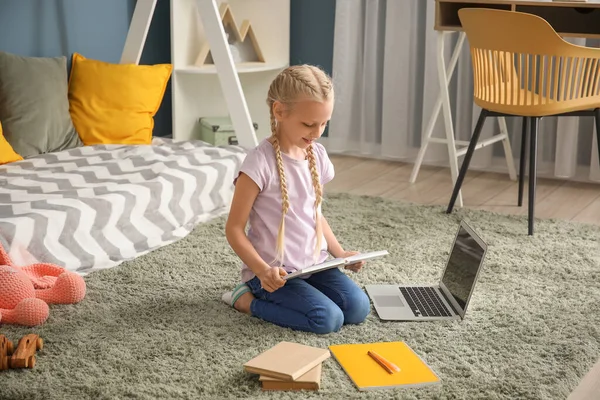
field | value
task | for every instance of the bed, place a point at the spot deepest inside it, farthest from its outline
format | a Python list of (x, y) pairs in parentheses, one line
[(94, 207)]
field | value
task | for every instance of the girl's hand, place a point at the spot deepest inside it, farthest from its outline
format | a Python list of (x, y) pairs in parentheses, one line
[(270, 278), (357, 265)]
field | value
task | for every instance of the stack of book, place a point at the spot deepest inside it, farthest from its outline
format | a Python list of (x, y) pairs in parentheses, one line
[(289, 366)]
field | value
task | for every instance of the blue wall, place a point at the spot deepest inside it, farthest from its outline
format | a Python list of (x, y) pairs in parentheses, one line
[(311, 32), (312, 25), (158, 51), (48, 28), (98, 28), (95, 28)]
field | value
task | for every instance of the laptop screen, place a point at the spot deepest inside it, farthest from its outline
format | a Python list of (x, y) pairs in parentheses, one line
[(461, 271)]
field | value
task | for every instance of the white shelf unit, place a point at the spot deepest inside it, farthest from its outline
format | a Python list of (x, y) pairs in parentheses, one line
[(196, 90)]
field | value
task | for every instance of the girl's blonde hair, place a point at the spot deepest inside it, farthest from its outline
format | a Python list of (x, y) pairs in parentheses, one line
[(298, 82)]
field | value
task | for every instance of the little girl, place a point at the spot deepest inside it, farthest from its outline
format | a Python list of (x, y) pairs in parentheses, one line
[(279, 191)]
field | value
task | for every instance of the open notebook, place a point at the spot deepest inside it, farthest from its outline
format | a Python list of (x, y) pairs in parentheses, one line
[(335, 263)]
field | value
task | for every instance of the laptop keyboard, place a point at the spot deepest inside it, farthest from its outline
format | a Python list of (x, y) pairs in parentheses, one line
[(425, 302)]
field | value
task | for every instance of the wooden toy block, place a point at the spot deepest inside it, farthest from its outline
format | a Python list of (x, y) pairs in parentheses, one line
[(24, 355), (6, 349)]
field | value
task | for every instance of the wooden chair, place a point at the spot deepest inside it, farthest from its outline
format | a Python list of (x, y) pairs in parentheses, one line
[(523, 68)]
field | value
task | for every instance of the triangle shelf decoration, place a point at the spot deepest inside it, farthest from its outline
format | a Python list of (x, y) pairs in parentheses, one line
[(242, 50)]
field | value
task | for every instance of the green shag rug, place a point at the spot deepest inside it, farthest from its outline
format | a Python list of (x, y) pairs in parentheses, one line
[(155, 328)]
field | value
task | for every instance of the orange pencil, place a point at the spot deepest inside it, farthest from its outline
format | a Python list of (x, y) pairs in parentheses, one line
[(387, 365)]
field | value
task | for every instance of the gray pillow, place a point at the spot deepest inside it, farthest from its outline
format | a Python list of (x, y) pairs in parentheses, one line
[(34, 104)]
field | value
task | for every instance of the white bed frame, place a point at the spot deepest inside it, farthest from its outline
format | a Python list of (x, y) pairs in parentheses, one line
[(208, 11)]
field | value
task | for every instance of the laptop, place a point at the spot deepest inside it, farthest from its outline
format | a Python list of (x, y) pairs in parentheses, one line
[(449, 299)]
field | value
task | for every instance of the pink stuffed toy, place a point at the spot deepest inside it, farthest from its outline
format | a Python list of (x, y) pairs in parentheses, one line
[(26, 292)]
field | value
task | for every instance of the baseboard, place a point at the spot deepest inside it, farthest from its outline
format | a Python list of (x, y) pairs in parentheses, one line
[(546, 169)]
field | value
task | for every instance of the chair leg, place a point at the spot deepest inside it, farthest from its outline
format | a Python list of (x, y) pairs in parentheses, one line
[(522, 160), (597, 114), (534, 122), (467, 160)]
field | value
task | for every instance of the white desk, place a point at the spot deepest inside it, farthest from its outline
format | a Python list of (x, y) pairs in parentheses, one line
[(568, 18)]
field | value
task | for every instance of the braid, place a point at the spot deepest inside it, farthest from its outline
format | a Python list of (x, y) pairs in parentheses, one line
[(293, 83), (273, 125), (324, 84), (300, 78), (285, 202), (318, 196)]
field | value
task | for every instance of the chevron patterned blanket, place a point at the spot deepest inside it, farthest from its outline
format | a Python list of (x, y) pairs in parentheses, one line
[(94, 207)]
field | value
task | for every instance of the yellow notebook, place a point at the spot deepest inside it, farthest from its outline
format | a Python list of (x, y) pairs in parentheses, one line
[(367, 374)]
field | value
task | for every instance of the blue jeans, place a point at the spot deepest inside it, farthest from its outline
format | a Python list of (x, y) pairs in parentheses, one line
[(320, 304)]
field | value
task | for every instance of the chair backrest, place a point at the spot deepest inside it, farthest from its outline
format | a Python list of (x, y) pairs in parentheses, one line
[(519, 60), (510, 31)]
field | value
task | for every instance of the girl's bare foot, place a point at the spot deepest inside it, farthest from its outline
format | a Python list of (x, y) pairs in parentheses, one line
[(243, 303)]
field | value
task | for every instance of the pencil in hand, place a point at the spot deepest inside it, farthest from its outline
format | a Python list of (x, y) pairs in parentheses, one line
[(387, 365)]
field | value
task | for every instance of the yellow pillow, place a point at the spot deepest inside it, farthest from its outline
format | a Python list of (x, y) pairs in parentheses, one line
[(115, 103), (7, 154)]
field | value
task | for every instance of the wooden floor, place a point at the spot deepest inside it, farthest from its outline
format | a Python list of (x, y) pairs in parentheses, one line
[(481, 190), (559, 199)]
